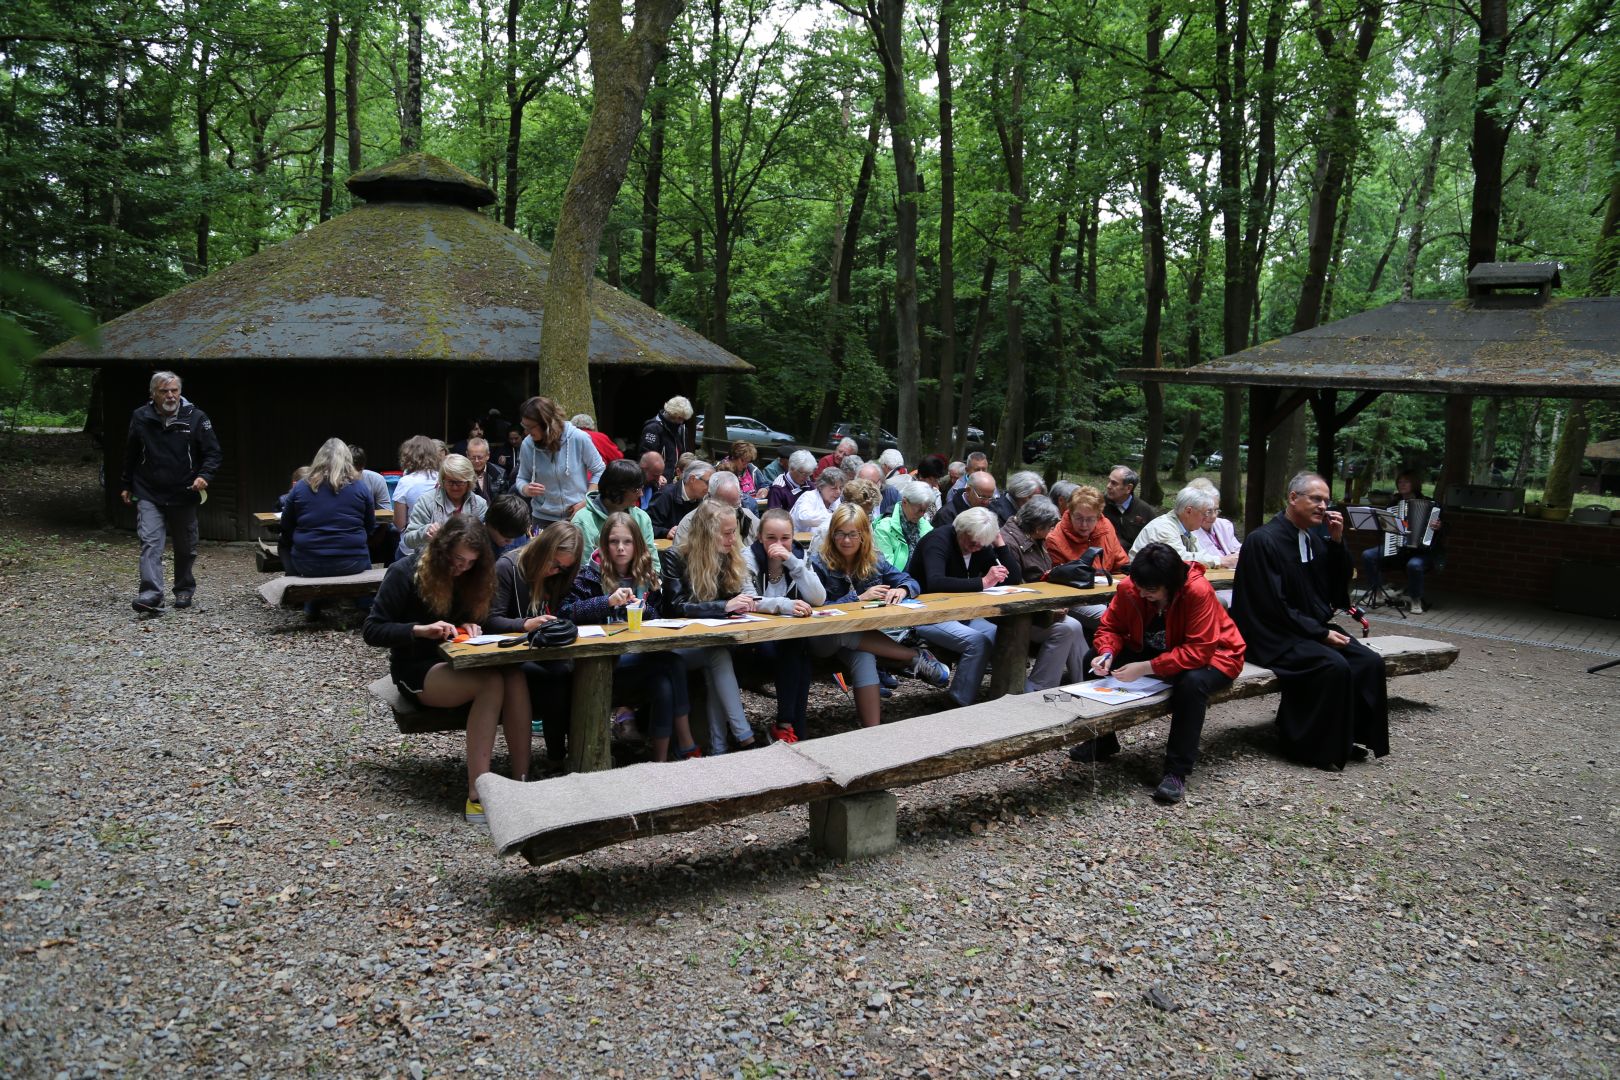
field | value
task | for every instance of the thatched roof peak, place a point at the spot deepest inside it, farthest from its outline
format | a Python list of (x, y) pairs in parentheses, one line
[(421, 178)]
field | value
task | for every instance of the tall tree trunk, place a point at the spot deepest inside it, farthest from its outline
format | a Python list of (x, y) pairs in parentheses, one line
[(1389, 247), (844, 276), (1229, 118), (1606, 259), (1153, 258), (945, 302), (888, 27), (351, 94), (651, 192), (1420, 215), (1232, 453), (1527, 437), (1010, 133), (410, 135), (1489, 144), (622, 63), (329, 134), (1566, 462), (1262, 189), (1340, 229), (720, 211), (204, 156), (981, 318), (1485, 446), (514, 115)]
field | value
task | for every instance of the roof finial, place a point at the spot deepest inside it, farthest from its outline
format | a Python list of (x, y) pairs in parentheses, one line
[(421, 178)]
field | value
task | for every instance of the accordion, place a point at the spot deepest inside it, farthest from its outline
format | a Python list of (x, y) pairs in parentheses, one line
[(1419, 517)]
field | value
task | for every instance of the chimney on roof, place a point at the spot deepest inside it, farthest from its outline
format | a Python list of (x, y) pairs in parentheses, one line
[(421, 178), (1512, 285)]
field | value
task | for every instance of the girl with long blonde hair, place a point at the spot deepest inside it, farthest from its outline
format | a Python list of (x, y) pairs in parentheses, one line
[(326, 519), (707, 578)]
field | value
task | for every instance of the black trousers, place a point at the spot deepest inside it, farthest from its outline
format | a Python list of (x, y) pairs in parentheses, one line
[(1331, 699), (1189, 703), (551, 696)]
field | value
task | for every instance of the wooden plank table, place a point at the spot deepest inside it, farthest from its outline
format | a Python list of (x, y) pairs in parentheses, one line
[(384, 515), (593, 658)]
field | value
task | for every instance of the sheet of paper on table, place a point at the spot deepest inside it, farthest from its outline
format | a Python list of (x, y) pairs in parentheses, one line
[(1003, 590), (1111, 691), (666, 624), (732, 621), (488, 639), (822, 613), (593, 631)]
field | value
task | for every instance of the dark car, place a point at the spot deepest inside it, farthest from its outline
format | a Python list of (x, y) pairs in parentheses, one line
[(863, 439), (1037, 443)]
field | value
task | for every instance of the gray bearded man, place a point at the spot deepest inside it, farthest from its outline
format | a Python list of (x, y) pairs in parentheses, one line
[(171, 456)]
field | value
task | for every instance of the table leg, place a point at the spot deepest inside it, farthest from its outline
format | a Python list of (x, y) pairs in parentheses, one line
[(1009, 659), (588, 735)]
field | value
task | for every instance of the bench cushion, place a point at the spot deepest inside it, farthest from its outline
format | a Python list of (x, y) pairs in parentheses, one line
[(413, 718), (287, 591), (552, 819)]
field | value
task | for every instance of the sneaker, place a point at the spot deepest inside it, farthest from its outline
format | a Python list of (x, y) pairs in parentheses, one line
[(887, 680), (689, 753), (474, 812), (884, 692), (1417, 607), (929, 670), (783, 733), (148, 604), (182, 599), (1098, 749), (1172, 789)]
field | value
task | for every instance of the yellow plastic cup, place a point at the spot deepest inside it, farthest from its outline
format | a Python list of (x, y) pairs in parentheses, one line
[(633, 613)]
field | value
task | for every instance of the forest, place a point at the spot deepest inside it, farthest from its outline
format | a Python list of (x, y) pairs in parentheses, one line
[(934, 216)]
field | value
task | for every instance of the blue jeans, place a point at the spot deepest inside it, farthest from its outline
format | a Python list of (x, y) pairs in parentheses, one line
[(1372, 566), (971, 642), (861, 665), (663, 677), (725, 707), (789, 663)]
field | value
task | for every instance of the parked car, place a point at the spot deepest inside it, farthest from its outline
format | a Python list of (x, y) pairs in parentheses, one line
[(863, 439), (1037, 443), (975, 437), (1214, 460), (1167, 456), (762, 435)]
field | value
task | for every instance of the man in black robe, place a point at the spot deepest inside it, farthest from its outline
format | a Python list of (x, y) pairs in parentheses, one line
[(1288, 583)]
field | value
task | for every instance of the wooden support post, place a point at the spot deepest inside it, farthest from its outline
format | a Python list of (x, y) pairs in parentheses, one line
[(1262, 402), (1459, 444), (588, 736), (1009, 657), (1327, 432)]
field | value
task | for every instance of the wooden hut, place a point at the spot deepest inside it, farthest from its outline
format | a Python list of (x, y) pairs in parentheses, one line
[(410, 314)]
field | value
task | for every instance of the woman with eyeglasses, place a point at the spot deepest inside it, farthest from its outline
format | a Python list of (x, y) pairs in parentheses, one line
[(452, 495), (853, 571), (426, 600), (1084, 527)]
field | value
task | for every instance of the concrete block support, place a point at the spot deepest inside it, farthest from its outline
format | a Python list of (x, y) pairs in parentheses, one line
[(854, 826)]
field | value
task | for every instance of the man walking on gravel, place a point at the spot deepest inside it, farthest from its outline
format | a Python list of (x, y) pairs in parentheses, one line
[(170, 457)]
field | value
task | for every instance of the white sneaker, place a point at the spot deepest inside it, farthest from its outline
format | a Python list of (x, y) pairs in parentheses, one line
[(1416, 608)]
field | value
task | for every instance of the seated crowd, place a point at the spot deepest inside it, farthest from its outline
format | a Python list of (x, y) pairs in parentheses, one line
[(555, 527)]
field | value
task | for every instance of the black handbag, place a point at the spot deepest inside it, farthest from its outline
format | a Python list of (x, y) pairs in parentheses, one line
[(553, 635), (1080, 573)]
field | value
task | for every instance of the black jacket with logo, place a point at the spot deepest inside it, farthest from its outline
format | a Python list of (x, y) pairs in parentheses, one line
[(163, 457)]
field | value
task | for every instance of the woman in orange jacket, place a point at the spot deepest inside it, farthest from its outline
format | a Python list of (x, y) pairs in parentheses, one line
[(1166, 622)]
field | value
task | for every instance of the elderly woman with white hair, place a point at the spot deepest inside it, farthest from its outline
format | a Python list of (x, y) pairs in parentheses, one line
[(898, 533), (1062, 656), (1217, 537), (813, 508), (893, 464), (1179, 525), (968, 555), (786, 489), (666, 433), (1022, 487), (846, 446), (453, 495)]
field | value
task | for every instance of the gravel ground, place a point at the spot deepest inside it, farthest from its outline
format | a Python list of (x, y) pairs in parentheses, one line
[(224, 859)]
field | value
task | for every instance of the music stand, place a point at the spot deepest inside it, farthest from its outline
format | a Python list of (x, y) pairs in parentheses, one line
[(1380, 520)]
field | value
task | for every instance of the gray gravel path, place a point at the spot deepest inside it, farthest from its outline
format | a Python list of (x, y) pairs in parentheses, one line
[(223, 859)]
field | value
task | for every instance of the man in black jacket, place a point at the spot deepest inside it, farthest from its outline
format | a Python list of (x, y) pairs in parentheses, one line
[(1335, 704), (666, 433), (171, 455), (969, 555), (671, 505), (1124, 510)]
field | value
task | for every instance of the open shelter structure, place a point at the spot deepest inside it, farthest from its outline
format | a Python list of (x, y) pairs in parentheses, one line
[(408, 315), (1509, 338)]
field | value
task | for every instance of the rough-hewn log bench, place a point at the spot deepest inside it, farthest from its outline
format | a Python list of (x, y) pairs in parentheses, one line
[(292, 592), (593, 658), (413, 718), (555, 818)]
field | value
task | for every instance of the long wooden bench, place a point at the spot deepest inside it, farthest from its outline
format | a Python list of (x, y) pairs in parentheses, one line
[(553, 819), (292, 592), (413, 718)]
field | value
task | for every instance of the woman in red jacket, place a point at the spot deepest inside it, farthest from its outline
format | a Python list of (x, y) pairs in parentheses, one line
[(1166, 622)]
